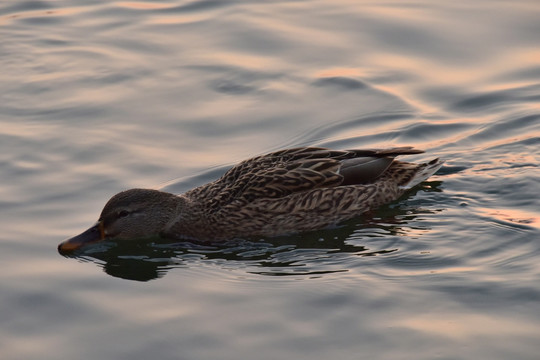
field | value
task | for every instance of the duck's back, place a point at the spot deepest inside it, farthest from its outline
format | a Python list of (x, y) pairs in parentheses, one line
[(304, 189)]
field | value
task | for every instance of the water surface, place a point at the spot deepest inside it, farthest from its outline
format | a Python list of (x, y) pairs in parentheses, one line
[(97, 97)]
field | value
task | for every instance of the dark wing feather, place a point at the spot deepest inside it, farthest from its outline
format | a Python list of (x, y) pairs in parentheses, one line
[(298, 176)]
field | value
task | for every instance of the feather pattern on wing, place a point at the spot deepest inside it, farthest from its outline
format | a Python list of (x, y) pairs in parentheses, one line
[(284, 172)]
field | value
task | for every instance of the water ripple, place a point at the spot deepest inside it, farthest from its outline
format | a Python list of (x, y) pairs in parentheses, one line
[(96, 97)]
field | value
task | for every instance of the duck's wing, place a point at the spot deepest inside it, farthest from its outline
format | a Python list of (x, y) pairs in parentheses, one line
[(296, 170)]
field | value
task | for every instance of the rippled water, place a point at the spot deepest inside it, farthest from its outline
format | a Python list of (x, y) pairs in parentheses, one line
[(97, 97)]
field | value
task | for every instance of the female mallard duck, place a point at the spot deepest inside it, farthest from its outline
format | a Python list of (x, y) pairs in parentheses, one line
[(280, 193)]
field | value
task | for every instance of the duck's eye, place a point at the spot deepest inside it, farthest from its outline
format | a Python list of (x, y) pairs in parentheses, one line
[(123, 213)]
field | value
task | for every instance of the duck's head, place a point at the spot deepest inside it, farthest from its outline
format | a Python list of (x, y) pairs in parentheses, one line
[(131, 214)]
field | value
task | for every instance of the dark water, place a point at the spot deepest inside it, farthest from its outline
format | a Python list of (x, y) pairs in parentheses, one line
[(97, 97)]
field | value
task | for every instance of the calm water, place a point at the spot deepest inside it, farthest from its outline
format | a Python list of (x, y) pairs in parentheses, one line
[(97, 97)]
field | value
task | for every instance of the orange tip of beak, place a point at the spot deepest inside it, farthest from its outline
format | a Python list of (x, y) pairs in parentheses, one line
[(92, 235)]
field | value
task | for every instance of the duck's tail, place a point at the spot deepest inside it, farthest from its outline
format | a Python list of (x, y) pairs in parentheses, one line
[(423, 172)]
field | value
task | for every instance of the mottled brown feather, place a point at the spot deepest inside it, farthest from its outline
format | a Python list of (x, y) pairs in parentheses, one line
[(290, 191)]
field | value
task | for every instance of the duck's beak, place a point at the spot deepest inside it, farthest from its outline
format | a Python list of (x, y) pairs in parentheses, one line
[(92, 235)]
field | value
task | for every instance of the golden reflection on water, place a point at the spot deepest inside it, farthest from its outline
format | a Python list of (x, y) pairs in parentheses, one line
[(26, 130), (465, 326), (513, 216), (144, 5), (503, 165), (178, 19), (39, 14)]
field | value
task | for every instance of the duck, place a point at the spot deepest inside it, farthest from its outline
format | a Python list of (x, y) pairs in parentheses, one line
[(284, 192)]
